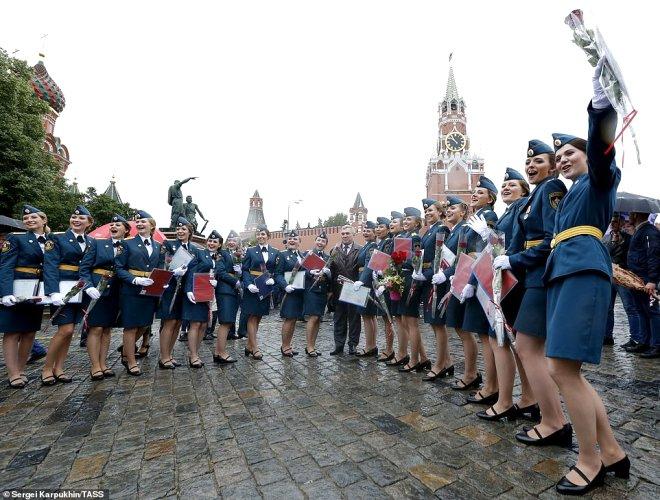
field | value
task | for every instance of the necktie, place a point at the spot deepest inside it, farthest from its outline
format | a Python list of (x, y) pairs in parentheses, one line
[(346, 249), (147, 243), (264, 250), (80, 239), (116, 244), (41, 239), (185, 245)]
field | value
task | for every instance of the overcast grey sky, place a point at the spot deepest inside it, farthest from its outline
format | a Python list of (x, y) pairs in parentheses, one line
[(318, 100)]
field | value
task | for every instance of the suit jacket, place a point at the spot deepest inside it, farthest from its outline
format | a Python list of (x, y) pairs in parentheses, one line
[(345, 265)]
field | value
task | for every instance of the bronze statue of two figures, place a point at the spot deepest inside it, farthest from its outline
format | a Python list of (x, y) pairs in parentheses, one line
[(189, 210)]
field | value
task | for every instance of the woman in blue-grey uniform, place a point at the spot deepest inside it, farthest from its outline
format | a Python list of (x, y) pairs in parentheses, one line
[(384, 244), (401, 357), (293, 300), (228, 271), (197, 313), (62, 266), (434, 214), (455, 216), (368, 312), (170, 310), (97, 268), (22, 258), (527, 256), (412, 294), (578, 275), (515, 190), (257, 260), (134, 263), (316, 295)]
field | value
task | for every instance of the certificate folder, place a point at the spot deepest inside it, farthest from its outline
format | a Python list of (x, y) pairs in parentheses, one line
[(202, 288), (161, 278)]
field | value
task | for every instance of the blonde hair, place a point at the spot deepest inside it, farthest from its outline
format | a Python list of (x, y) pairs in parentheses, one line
[(44, 217), (152, 223)]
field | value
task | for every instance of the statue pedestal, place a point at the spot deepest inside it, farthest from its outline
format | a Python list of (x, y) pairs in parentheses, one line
[(170, 234)]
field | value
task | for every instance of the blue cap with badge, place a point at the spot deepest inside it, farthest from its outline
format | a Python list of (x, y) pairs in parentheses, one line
[(396, 215), (141, 214), (118, 218), (454, 200), (412, 212), (293, 234), (536, 147), (232, 234), (214, 235), (370, 225), (427, 202), (323, 235), (182, 221), (485, 182), (29, 209), (81, 210), (560, 140), (383, 220), (512, 174)]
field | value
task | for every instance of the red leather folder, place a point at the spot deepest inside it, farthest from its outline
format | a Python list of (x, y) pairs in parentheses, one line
[(202, 288), (312, 261), (462, 274), (161, 278)]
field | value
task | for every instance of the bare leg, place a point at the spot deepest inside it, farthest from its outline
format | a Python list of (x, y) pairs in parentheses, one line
[(490, 375), (582, 407), (129, 346), (10, 343), (312, 331), (173, 336), (57, 351), (470, 355), (402, 338), (532, 355), (443, 359), (25, 349), (287, 333), (506, 373), (389, 339), (369, 331), (221, 340), (527, 396), (253, 327), (94, 349), (194, 334)]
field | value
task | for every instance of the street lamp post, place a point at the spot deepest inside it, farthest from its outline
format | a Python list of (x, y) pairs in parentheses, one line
[(288, 212)]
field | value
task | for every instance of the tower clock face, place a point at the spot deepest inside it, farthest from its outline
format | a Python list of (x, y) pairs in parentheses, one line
[(455, 141)]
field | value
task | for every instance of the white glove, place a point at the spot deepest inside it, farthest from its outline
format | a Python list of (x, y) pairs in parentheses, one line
[(143, 281), (501, 262), (439, 278), (467, 293), (380, 290), (451, 279), (238, 268), (93, 293), (326, 271), (315, 272), (479, 225), (191, 297), (180, 271), (166, 286), (214, 283), (253, 288), (238, 285), (374, 275), (357, 285), (8, 300), (418, 276), (270, 281), (599, 100), (57, 299), (289, 289)]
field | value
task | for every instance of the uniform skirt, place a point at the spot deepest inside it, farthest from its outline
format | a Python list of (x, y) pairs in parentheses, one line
[(370, 309), (21, 318), (292, 305), (195, 312), (577, 316), (227, 308), (433, 317), (511, 306), (314, 303), (166, 301), (475, 319), (252, 306), (70, 313), (137, 310), (455, 313), (106, 311), (531, 316)]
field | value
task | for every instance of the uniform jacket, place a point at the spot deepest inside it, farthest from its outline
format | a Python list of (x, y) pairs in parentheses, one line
[(65, 250), (285, 262), (100, 254), (618, 249), (535, 221), (451, 242), (253, 261), (322, 286), (134, 256), (225, 275), (589, 201), (363, 258), (19, 250), (428, 245), (201, 263), (508, 220), (644, 253)]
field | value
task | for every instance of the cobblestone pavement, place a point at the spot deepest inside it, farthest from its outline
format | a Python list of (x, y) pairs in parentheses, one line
[(332, 427)]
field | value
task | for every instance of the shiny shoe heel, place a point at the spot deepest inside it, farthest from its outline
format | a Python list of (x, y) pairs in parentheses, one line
[(621, 468)]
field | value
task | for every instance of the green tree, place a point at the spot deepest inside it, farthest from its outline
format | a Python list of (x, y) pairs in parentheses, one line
[(102, 207), (319, 223), (339, 219), (28, 173)]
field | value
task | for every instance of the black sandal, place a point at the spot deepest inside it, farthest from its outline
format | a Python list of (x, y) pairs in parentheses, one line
[(483, 400), (139, 354), (388, 357), (423, 365), (108, 373), (64, 378), (223, 361), (398, 362), (97, 375), (470, 385), (256, 356), (20, 385), (48, 381), (132, 371), (431, 378), (313, 353), (510, 413), (365, 354), (288, 353), (196, 364), (168, 365), (410, 368), (247, 352)]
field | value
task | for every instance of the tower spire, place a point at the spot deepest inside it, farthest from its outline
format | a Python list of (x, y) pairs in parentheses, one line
[(452, 91)]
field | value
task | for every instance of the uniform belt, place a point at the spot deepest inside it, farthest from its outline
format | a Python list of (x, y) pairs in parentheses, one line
[(68, 267), (103, 272), (232, 275), (28, 270), (139, 274), (532, 243), (576, 231), (426, 265), (256, 273)]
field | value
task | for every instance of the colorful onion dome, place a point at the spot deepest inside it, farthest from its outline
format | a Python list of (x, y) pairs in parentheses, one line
[(46, 88)]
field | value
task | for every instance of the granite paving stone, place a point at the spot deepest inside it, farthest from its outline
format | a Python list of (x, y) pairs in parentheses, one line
[(324, 428)]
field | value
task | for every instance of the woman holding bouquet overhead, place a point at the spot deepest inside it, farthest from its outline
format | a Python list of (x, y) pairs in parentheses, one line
[(578, 275), (62, 269), (258, 260), (288, 261), (170, 310), (97, 268), (21, 258), (139, 256), (316, 295)]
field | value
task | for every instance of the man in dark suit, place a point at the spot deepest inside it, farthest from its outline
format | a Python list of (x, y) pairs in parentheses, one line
[(346, 317)]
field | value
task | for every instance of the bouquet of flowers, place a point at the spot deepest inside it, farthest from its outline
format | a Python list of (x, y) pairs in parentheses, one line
[(75, 290), (392, 278), (611, 78)]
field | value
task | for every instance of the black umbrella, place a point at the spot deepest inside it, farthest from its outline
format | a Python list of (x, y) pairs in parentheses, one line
[(629, 202)]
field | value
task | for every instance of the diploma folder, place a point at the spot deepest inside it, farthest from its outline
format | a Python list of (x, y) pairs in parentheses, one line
[(202, 288), (299, 280), (379, 261), (161, 278), (312, 261), (403, 245), (264, 289), (462, 274), (181, 257), (351, 296)]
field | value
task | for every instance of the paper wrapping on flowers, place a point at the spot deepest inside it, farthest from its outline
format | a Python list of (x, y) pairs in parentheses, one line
[(611, 77)]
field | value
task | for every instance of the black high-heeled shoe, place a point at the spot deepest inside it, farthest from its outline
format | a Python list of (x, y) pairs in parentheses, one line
[(423, 366), (410, 368), (223, 361), (247, 352), (134, 370), (166, 366), (445, 372), (195, 364), (462, 386), (256, 356), (621, 469), (365, 354), (288, 353), (566, 487), (388, 357), (144, 354), (491, 399), (562, 437), (398, 362), (510, 413), (531, 412)]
